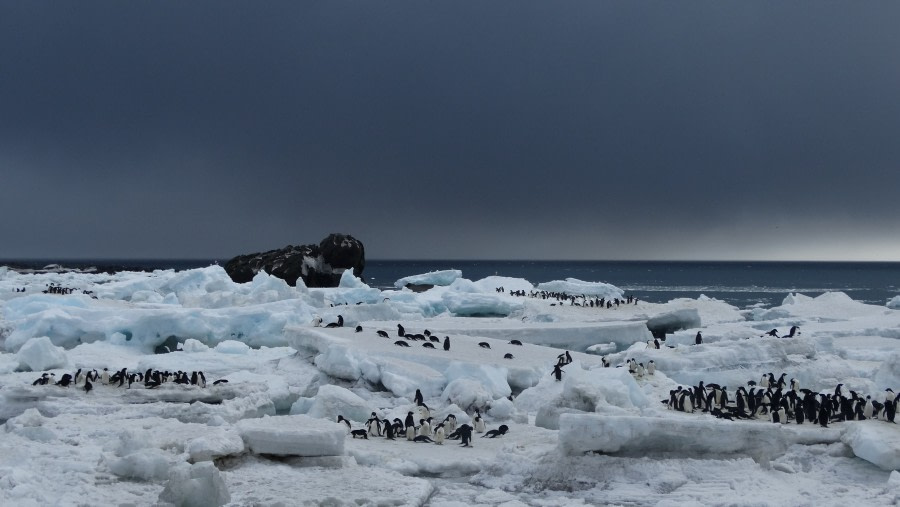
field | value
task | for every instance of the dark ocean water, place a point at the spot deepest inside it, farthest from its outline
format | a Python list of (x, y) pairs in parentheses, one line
[(742, 284)]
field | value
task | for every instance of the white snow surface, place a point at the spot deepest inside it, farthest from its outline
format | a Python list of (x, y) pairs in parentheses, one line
[(576, 287), (268, 436), (293, 435), (443, 277)]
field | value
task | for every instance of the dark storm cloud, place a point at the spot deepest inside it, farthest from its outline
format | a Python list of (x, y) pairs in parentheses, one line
[(466, 129)]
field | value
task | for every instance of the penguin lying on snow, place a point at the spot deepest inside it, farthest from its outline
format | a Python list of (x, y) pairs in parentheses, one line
[(401, 343), (339, 323), (484, 345), (497, 432), (360, 434)]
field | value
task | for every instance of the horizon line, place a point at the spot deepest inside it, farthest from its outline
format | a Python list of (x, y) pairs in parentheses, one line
[(57, 260)]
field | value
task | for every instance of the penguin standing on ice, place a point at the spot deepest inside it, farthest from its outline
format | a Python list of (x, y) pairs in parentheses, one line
[(479, 422), (557, 372), (439, 434), (890, 405), (418, 398), (374, 425), (410, 421), (868, 408), (450, 421), (824, 411), (639, 371), (651, 368), (465, 435), (424, 427), (698, 339), (341, 419), (410, 433), (447, 343)]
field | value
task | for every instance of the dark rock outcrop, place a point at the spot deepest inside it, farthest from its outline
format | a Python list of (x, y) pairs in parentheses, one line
[(318, 265)]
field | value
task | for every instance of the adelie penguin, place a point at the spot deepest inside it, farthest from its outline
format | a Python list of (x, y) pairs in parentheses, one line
[(515, 342), (479, 422), (557, 372), (508, 356), (424, 427), (382, 334), (497, 432), (339, 323), (360, 434), (450, 421), (400, 331), (374, 425), (401, 343), (465, 435), (446, 343), (359, 329), (423, 439), (484, 345)]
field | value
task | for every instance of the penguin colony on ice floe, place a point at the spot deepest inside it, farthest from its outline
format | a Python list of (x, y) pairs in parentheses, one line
[(562, 298), (431, 341), (782, 401), (425, 430), (149, 379)]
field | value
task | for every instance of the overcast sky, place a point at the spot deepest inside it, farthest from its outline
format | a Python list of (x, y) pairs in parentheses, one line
[(502, 129)]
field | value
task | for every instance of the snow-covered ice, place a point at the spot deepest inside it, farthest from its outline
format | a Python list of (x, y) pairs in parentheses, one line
[(269, 436)]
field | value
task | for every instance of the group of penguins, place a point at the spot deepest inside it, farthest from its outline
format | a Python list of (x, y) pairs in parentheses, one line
[(782, 402), (426, 431), (573, 300), (150, 379), (426, 337)]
